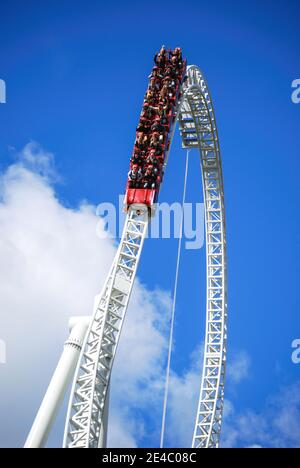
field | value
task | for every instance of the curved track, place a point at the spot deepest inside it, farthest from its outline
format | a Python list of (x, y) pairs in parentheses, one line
[(86, 408)]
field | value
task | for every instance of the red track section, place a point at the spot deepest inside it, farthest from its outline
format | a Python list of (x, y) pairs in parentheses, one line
[(155, 128)]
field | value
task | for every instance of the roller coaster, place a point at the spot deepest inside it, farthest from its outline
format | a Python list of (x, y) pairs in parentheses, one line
[(177, 93)]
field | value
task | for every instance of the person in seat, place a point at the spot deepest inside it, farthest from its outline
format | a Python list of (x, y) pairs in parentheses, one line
[(163, 102), (158, 127), (159, 135), (155, 143), (160, 60), (150, 98), (170, 73), (146, 141), (173, 62), (156, 73), (163, 92), (164, 109), (141, 143), (153, 160), (161, 57), (154, 84), (137, 158), (159, 154), (153, 168), (176, 71), (149, 180), (135, 177), (171, 84), (177, 53), (149, 112), (163, 51), (144, 127), (171, 92)]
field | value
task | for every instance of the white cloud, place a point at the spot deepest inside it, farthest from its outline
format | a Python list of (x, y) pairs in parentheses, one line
[(121, 429), (184, 395), (52, 265), (239, 367), (276, 425), (34, 157), (286, 415), (183, 401), (138, 377)]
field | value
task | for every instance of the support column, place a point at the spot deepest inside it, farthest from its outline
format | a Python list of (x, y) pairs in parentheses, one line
[(62, 377)]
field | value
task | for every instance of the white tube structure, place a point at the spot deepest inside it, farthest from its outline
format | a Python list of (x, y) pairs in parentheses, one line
[(62, 377)]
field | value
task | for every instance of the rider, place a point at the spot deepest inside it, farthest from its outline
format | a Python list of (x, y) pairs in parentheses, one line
[(158, 126), (154, 84), (148, 112), (156, 73), (144, 126), (150, 98), (161, 57), (152, 160), (155, 143), (135, 176), (141, 143), (149, 180), (177, 53), (137, 158)]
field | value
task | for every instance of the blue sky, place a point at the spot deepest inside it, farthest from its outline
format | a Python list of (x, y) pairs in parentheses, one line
[(76, 74)]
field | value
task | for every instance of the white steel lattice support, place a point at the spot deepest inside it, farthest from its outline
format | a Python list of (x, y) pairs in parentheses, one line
[(87, 402), (199, 130)]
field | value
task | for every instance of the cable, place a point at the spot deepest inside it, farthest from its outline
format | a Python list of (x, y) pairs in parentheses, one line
[(163, 425)]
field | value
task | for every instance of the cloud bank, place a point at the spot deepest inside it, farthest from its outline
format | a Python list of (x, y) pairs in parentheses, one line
[(53, 263)]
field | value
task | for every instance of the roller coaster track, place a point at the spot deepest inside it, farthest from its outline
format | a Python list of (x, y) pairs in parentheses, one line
[(198, 129)]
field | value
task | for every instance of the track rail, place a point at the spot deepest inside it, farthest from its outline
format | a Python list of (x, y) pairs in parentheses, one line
[(199, 130), (85, 414), (89, 392)]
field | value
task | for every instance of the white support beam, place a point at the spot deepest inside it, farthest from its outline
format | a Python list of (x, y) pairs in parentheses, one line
[(199, 130), (62, 376), (90, 387)]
